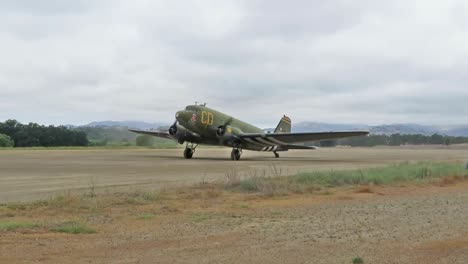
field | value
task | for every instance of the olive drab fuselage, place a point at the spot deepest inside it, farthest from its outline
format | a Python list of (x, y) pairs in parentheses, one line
[(198, 124), (205, 123)]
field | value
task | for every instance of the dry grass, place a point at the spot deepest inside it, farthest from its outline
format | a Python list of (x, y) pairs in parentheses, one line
[(271, 181), (449, 180), (232, 178)]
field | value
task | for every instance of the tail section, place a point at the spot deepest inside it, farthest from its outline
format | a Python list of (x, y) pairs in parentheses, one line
[(284, 125)]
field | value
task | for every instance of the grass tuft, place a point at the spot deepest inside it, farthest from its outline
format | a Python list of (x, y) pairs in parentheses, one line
[(150, 196), (16, 206), (250, 184), (241, 206), (13, 226), (197, 218), (73, 228), (358, 260), (145, 216), (9, 214), (232, 178), (276, 212)]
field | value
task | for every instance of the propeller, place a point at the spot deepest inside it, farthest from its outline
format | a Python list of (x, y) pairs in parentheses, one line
[(222, 129), (173, 129)]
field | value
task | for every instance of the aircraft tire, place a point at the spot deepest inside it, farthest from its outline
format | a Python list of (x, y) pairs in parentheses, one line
[(235, 154), (188, 153), (276, 154)]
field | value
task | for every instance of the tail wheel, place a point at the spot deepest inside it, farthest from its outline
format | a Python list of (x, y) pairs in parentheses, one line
[(276, 154)]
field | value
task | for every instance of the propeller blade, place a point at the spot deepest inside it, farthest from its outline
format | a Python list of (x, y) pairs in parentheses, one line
[(173, 128)]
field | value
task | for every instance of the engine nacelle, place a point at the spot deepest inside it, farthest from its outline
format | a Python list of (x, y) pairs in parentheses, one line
[(181, 133), (228, 134)]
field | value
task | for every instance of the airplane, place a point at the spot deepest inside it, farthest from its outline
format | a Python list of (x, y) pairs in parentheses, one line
[(198, 124)]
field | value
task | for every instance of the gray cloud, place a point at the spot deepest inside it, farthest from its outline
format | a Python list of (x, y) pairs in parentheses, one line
[(337, 61)]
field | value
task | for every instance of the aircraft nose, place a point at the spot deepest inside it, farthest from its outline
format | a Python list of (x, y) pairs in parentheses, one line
[(181, 115)]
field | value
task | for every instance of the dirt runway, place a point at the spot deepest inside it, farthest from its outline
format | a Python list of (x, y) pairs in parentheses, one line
[(380, 224), (35, 174)]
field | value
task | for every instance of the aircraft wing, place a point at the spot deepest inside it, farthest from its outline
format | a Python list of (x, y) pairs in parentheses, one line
[(282, 139), (300, 147), (153, 133)]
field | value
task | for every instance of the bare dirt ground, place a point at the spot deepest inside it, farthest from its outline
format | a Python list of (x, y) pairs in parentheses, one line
[(27, 175), (409, 224), (398, 224)]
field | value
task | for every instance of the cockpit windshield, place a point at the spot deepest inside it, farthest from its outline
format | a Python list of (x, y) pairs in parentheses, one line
[(191, 108)]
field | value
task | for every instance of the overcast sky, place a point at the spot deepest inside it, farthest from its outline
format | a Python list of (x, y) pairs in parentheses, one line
[(374, 62)]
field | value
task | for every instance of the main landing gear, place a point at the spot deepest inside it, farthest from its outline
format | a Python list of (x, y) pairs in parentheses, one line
[(236, 154), (276, 154), (189, 150)]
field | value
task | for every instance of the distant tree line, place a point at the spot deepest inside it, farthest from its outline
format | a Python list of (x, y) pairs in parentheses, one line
[(120, 136), (108, 135), (13, 133), (34, 135), (395, 140)]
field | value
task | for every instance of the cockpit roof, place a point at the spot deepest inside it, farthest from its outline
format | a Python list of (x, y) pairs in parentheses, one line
[(194, 107)]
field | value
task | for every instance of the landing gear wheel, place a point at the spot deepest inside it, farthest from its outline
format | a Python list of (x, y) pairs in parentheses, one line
[(188, 153), (235, 154), (189, 150), (276, 154)]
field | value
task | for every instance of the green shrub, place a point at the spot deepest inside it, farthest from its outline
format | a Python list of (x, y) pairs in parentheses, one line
[(358, 260), (249, 185), (6, 141)]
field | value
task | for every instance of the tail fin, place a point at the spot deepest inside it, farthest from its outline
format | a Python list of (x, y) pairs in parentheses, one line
[(284, 125)]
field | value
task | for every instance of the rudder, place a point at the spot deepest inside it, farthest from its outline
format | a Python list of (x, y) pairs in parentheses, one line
[(284, 125)]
